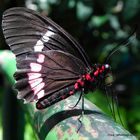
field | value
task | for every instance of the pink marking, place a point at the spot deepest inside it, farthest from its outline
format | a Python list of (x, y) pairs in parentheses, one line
[(35, 67), (41, 58), (88, 77), (38, 87), (76, 86), (35, 82), (40, 94), (33, 75)]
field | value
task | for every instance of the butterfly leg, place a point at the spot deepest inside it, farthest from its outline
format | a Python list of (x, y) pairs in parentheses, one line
[(82, 111), (77, 101)]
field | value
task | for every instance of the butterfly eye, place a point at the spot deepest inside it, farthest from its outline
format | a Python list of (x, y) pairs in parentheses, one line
[(107, 66)]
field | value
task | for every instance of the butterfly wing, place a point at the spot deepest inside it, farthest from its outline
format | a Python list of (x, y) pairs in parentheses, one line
[(45, 53), (27, 31), (44, 74)]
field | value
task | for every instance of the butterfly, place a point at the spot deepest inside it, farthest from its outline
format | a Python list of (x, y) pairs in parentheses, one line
[(51, 64)]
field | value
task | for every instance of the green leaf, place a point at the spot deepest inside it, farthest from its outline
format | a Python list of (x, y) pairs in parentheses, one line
[(131, 8), (107, 4), (114, 22), (8, 64), (83, 11), (98, 21)]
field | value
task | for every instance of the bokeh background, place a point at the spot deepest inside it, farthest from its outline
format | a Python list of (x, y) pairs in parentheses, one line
[(98, 25)]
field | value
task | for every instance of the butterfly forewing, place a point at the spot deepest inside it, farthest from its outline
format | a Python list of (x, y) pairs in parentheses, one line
[(25, 31)]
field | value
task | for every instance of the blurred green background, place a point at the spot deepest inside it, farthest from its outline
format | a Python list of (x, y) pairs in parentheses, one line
[(98, 26)]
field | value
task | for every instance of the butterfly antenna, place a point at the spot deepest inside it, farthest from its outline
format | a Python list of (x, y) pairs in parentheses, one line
[(124, 43)]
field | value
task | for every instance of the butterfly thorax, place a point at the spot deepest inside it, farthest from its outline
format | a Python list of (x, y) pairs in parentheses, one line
[(94, 78)]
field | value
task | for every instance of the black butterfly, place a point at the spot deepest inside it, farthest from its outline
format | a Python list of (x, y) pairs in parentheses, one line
[(51, 65)]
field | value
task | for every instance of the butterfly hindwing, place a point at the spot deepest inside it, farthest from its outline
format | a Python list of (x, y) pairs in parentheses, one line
[(42, 74)]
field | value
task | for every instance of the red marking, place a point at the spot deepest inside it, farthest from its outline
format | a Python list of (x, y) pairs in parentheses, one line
[(63, 97), (35, 67), (88, 77), (80, 82), (39, 106), (33, 75), (41, 58), (71, 92), (103, 68), (101, 71), (76, 86), (92, 79), (96, 73)]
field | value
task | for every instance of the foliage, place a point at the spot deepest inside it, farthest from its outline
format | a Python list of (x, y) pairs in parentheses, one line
[(99, 26)]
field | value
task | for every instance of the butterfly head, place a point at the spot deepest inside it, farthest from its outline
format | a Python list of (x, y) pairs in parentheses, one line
[(103, 75), (108, 77)]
